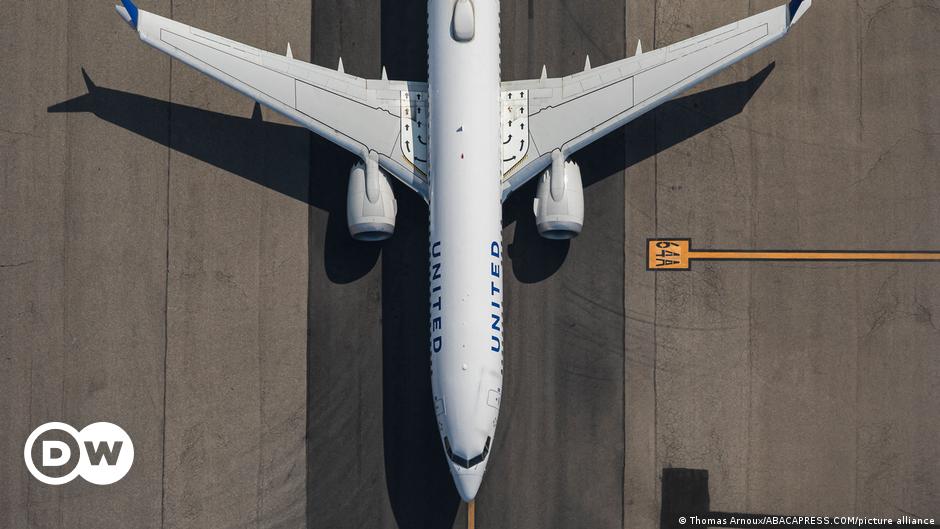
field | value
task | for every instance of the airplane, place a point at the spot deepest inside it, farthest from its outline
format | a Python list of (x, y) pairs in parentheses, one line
[(464, 141)]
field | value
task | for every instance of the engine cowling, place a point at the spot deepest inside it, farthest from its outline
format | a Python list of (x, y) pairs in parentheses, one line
[(370, 203), (559, 201)]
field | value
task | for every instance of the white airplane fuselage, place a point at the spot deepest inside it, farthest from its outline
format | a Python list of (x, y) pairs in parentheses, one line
[(466, 272)]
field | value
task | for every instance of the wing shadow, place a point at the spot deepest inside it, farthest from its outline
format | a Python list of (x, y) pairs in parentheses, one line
[(535, 259), (236, 145)]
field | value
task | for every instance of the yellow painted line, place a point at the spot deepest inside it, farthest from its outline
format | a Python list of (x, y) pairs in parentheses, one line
[(812, 256), (678, 254), (471, 514)]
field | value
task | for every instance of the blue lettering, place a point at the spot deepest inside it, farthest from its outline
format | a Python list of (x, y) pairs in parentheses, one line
[(437, 321), (496, 294)]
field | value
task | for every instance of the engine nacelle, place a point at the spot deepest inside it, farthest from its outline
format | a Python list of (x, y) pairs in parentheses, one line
[(370, 203), (559, 201)]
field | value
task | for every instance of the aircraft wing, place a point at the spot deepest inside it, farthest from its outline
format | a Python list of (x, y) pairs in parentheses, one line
[(380, 120), (569, 113)]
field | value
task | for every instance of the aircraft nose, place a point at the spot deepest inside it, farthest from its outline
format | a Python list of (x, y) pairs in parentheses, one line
[(468, 485)]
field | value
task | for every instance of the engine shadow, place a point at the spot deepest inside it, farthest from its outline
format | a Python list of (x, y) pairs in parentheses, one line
[(236, 144), (535, 259)]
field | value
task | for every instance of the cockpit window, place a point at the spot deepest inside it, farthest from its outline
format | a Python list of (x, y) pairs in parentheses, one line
[(467, 463)]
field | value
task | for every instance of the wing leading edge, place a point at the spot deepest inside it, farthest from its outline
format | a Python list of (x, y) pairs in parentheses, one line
[(567, 114), (365, 117)]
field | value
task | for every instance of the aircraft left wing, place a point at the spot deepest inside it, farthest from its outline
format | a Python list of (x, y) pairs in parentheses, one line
[(562, 115), (378, 120)]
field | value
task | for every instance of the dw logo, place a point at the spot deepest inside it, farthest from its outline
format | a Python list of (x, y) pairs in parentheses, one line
[(55, 453)]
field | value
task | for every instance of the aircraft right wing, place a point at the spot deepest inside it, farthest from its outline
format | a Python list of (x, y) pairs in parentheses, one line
[(562, 115)]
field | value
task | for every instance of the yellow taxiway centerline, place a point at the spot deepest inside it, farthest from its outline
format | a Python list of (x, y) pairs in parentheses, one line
[(677, 254), (811, 256)]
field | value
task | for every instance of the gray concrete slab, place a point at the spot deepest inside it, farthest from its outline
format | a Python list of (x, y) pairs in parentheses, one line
[(32, 163), (640, 469), (558, 455), (237, 278), (84, 246), (701, 317), (89, 186), (345, 465)]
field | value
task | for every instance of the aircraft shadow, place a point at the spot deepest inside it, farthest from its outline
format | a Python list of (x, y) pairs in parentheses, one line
[(417, 479), (236, 144), (210, 136)]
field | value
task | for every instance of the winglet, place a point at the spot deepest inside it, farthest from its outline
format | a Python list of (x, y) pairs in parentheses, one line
[(797, 9), (128, 12), (290, 52), (639, 47), (339, 67), (544, 73), (587, 63)]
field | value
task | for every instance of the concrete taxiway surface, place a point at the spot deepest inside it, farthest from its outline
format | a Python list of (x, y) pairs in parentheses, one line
[(176, 265)]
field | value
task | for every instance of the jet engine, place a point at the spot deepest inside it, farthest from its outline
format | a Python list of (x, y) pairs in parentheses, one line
[(370, 203), (559, 201)]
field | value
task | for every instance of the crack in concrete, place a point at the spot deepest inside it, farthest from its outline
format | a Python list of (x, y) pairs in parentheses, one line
[(166, 286), (17, 265)]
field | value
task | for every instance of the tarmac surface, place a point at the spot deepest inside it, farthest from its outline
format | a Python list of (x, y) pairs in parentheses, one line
[(175, 263)]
